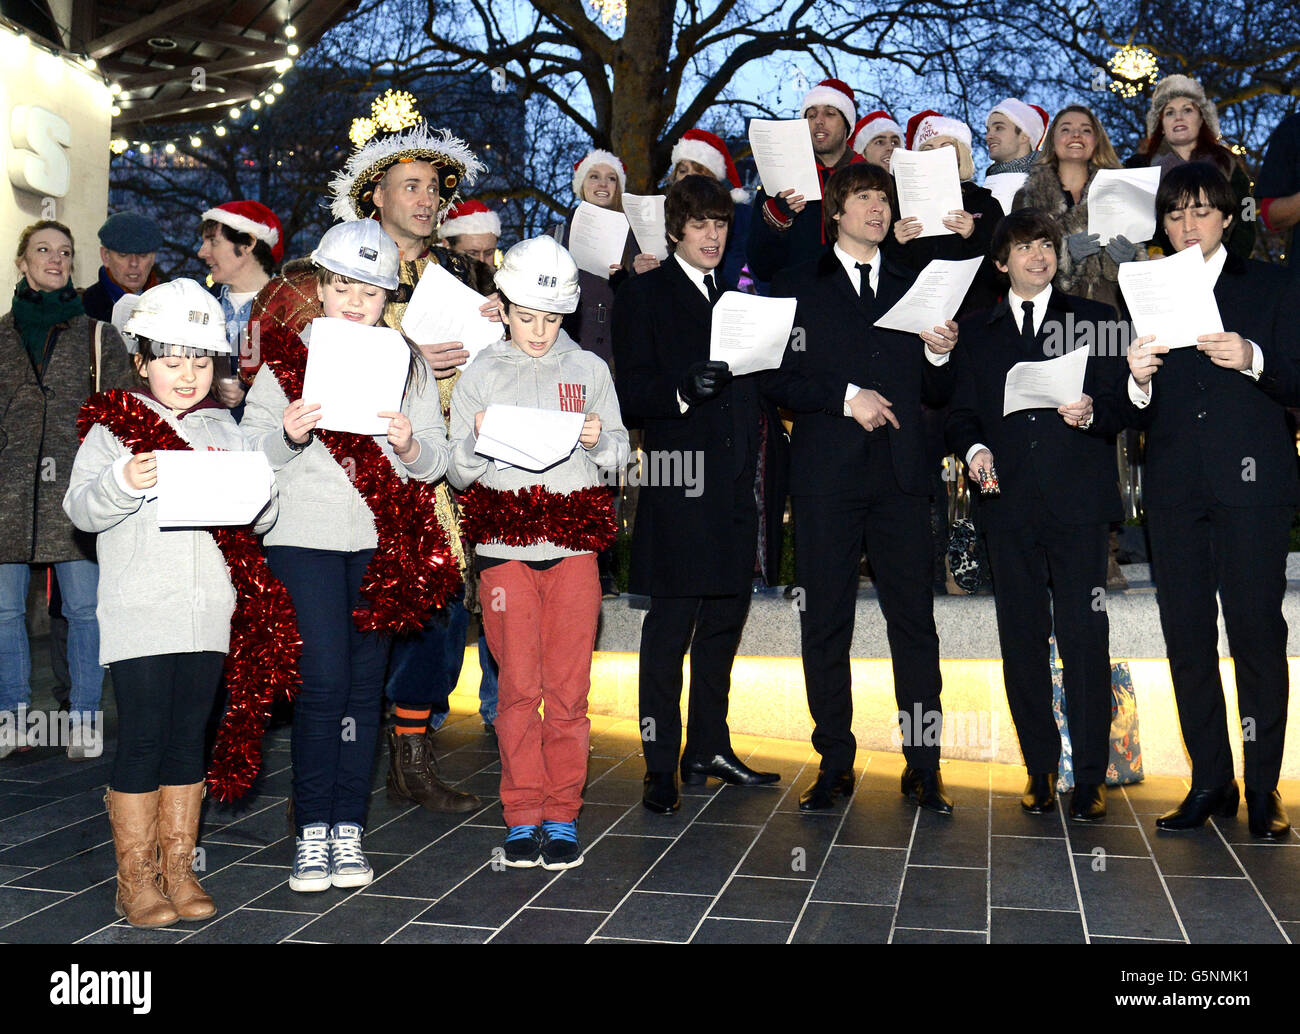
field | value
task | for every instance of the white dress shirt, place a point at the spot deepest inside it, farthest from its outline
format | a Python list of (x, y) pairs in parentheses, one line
[(696, 276), (1214, 265)]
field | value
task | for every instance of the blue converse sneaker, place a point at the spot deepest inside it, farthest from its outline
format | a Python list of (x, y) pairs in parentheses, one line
[(560, 848), (348, 866), (311, 860), (523, 848)]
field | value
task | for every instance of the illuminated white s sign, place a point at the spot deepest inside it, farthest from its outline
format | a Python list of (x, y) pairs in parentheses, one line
[(37, 159)]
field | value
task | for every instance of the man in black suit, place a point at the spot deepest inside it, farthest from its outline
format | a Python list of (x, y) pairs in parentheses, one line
[(1048, 529), (1221, 490), (858, 474), (697, 524)]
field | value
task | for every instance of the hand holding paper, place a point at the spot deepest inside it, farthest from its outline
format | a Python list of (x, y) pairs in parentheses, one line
[(597, 237), (784, 157), (1171, 298), (354, 372), (645, 214), (211, 489), (1044, 384), (749, 332), (928, 187), (1122, 203), (934, 297), (533, 439), (442, 309)]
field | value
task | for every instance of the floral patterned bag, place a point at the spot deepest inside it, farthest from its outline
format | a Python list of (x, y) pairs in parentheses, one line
[(1125, 764)]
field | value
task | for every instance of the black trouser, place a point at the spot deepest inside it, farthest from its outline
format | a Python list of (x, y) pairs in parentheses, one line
[(1196, 549), (162, 712), (830, 533), (711, 627), (1047, 575)]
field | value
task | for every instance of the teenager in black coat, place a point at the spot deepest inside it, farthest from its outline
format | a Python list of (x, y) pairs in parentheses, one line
[(1047, 530), (696, 535), (1221, 490), (858, 475)]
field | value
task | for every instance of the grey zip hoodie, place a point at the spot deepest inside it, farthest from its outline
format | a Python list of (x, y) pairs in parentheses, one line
[(319, 506), (160, 591), (565, 378)]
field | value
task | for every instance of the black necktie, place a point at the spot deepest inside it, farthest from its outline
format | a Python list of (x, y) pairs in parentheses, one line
[(711, 287), (864, 279), (1027, 324)]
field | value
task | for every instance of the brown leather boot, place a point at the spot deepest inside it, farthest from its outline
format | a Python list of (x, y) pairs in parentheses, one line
[(413, 775), (134, 818), (178, 830)]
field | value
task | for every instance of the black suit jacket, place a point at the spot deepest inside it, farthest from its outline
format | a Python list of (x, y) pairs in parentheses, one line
[(1037, 455), (835, 344), (1216, 428), (683, 542)]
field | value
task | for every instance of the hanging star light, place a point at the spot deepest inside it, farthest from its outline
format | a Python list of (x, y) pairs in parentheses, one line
[(1133, 68), (394, 110), (610, 10)]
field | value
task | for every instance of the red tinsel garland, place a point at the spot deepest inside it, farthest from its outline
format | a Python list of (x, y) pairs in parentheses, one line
[(264, 645), (413, 571), (582, 521)]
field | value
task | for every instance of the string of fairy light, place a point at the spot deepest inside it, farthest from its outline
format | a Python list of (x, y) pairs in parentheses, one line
[(219, 128)]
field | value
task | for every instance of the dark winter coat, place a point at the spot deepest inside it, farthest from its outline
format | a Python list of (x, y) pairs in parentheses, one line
[(38, 436)]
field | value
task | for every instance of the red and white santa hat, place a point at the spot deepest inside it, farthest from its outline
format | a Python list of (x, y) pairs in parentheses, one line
[(871, 126), (1029, 118), (926, 125), (252, 218), (707, 149), (598, 157), (835, 92), (470, 217)]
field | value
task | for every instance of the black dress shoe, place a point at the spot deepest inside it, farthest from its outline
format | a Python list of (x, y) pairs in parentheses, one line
[(1040, 794), (1267, 817), (924, 786), (1088, 803), (1199, 805), (728, 768), (660, 793), (825, 789)]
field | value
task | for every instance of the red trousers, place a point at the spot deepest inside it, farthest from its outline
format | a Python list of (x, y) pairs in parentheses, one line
[(541, 628)]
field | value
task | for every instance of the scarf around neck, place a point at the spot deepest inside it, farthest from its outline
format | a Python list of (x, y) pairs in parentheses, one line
[(37, 312)]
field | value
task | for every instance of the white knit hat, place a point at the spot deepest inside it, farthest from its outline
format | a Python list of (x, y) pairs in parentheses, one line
[(871, 126), (838, 94), (926, 125), (597, 157), (539, 274), (708, 149), (1029, 118)]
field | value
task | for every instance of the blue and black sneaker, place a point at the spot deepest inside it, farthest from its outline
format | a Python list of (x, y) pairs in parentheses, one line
[(523, 847), (560, 848)]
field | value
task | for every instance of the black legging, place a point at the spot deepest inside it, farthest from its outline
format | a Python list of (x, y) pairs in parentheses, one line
[(162, 711)]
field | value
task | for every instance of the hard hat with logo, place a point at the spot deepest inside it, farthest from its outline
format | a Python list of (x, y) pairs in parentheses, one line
[(360, 249), (539, 274), (180, 312)]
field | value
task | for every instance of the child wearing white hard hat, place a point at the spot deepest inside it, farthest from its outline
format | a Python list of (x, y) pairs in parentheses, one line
[(340, 528), (538, 525), (166, 598)]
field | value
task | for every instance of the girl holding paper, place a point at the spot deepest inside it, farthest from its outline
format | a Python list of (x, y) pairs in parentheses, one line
[(1076, 147), (537, 536), (359, 547), (166, 598)]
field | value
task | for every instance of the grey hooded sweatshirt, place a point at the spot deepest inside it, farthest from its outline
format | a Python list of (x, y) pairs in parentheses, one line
[(160, 591), (565, 378)]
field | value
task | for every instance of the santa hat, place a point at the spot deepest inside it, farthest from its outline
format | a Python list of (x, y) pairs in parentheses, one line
[(704, 148), (598, 157), (837, 94), (470, 217), (252, 218), (353, 188), (1029, 118), (926, 125), (871, 126), (1172, 86)]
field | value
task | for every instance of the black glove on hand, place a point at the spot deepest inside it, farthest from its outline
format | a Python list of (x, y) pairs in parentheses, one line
[(703, 380)]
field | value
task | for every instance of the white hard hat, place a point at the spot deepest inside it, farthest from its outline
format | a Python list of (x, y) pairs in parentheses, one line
[(180, 312), (539, 274), (361, 250), (122, 309)]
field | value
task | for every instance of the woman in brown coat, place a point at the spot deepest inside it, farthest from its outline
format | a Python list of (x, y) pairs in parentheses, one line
[(52, 356)]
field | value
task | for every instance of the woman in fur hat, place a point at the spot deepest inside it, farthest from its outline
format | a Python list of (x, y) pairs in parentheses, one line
[(1077, 146), (1183, 126)]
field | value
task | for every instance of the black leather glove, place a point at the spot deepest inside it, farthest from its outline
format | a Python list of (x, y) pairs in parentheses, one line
[(703, 380)]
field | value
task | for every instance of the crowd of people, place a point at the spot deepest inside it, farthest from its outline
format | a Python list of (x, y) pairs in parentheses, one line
[(357, 581)]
